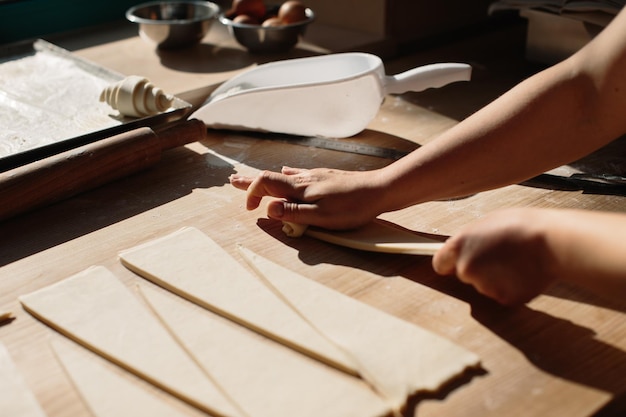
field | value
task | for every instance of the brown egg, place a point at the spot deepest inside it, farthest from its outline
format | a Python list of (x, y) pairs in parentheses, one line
[(244, 18), (272, 21), (292, 11), (253, 8)]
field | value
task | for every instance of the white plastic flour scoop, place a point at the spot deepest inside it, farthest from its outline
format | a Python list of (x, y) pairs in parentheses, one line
[(333, 95)]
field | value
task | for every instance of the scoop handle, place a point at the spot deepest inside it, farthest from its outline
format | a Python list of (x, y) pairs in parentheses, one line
[(427, 76)]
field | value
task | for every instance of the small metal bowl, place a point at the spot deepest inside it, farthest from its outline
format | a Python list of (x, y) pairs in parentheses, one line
[(173, 24), (267, 39)]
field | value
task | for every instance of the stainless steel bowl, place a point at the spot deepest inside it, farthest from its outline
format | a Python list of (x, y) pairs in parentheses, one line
[(267, 39), (173, 24)]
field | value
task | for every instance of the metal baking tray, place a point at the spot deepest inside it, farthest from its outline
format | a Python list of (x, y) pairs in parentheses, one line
[(20, 104)]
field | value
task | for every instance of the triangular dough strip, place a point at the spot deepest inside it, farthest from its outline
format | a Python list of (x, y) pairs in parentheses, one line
[(190, 264), (95, 309), (106, 393), (362, 370), (16, 399), (401, 358), (267, 379)]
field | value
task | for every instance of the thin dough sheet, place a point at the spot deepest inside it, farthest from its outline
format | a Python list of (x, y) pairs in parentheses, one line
[(106, 393), (379, 236), (192, 265), (399, 358), (396, 357), (266, 379), (95, 309), (16, 399)]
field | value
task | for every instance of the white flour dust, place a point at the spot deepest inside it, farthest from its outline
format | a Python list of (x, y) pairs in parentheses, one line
[(45, 98)]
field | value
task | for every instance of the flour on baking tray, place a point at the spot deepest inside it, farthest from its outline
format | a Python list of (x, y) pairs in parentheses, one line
[(45, 98)]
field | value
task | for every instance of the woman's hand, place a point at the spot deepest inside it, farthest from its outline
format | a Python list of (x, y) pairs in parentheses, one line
[(505, 256), (329, 198), (513, 255)]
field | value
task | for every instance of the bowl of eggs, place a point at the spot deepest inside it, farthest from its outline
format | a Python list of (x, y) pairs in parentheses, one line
[(262, 28)]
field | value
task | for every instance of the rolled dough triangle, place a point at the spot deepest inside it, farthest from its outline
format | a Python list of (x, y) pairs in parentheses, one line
[(95, 309), (265, 378), (376, 236), (190, 264), (399, 358)]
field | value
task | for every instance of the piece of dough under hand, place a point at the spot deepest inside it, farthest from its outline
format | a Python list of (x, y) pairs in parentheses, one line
[(294, 229), (377, 236)]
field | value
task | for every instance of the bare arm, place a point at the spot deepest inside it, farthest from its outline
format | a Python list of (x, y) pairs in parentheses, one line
[(513, 255), (552, 118)]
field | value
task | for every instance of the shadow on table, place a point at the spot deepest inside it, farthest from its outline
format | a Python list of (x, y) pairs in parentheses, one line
[(269, 151), (441, 394), (179, 172), (554, 345), (558, 346), (602, 172), (209, 58)]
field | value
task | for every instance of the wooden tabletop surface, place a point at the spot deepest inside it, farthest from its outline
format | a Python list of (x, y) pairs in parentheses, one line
[(563, 354)]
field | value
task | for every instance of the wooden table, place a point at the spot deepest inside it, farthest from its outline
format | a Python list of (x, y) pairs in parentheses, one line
[(564, 354)]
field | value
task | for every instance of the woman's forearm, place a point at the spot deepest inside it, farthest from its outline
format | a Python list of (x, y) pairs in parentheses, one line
[(552, 118), (513, 255), (588, 250), (542, 123)]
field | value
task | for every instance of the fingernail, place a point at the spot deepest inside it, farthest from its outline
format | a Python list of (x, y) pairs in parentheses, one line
[(276, 210)]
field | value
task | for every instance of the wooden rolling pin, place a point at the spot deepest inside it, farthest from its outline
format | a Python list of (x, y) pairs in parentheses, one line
[(64, 175)]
